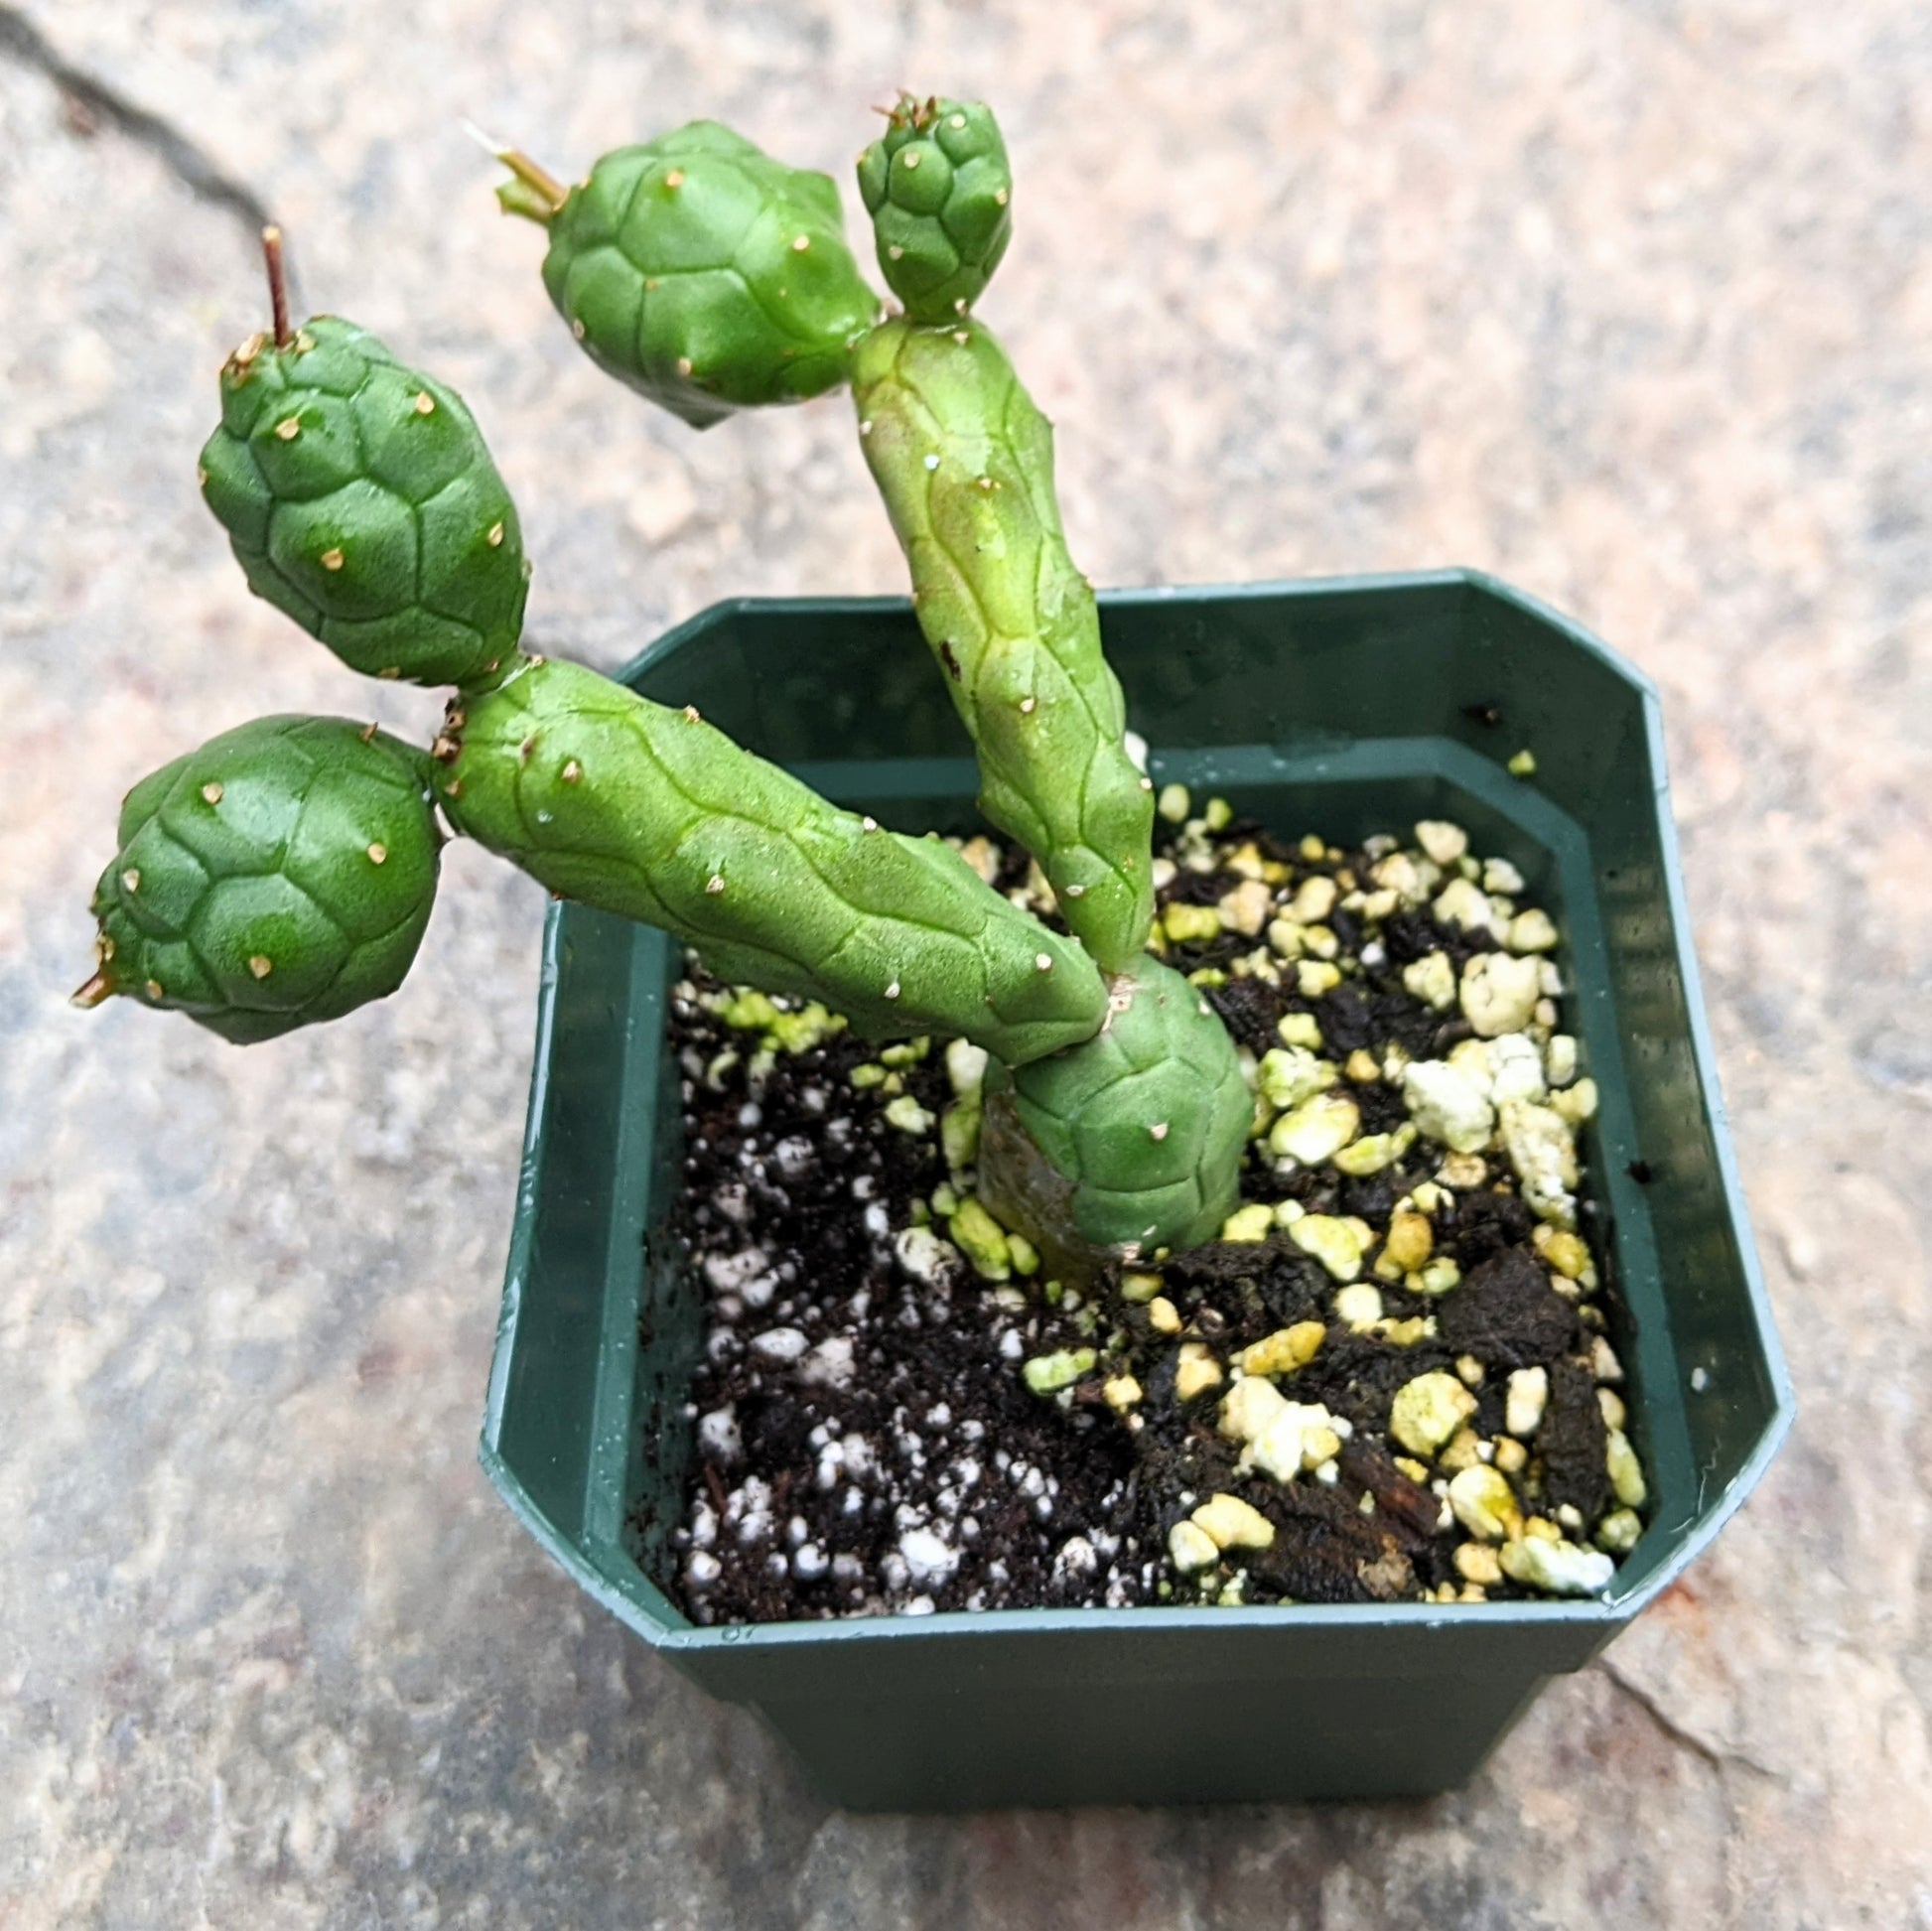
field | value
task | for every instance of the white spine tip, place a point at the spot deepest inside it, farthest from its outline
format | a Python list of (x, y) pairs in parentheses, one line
[(487, 142), (714, 884), (1044, 961), (1157, 1131), (891, 990)]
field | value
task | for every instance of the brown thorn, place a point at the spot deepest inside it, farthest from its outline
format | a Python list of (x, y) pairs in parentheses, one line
[(533, 176), (538, 178), (97, 989), (278, 284)]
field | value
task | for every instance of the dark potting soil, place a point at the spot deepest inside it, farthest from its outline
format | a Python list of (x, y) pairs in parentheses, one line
[(864, 1439)]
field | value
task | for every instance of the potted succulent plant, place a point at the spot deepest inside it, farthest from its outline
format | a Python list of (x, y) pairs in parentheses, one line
[(1070, 1315)]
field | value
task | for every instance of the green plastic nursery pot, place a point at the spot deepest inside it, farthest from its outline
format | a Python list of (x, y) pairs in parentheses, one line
[(1348, 707)]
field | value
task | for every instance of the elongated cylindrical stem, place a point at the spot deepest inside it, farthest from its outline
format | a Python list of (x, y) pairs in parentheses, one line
[(654, 814), (965, 463)]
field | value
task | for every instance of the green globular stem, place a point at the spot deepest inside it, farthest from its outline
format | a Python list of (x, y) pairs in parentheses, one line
[(1128, 1143), (939, 190), (280, 874), (704, 274), (362, 501), (965, 463), (653, 814)]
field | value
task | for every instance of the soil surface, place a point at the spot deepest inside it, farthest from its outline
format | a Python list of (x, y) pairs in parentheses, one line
[(866, 1439)]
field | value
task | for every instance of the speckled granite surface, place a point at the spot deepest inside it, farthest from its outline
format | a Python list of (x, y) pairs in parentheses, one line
[(1630, 303)]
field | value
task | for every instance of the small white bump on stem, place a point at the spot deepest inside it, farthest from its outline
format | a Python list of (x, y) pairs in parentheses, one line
[(714, 884), (869, 824), (1043, 962), (932, 461), (1075, 892), (571, 771), (425, 404), (495, 536), (211, 791), (1027, 706), (289, 428), (378, 854), (691, 714), (891, 990), (261, 965), (331, 559), (1157, 1131), (131, 878)]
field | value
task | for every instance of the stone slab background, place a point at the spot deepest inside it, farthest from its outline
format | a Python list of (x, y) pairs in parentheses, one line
[(1629, 303)]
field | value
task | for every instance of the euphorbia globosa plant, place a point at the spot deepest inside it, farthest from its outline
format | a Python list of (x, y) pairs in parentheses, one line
[(283, 872)]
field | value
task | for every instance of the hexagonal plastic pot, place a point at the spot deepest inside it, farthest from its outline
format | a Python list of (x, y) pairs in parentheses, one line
[(1349, 706)]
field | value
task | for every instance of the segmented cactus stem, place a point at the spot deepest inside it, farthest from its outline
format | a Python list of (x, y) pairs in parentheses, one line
[(964, 461), (654, 814)]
